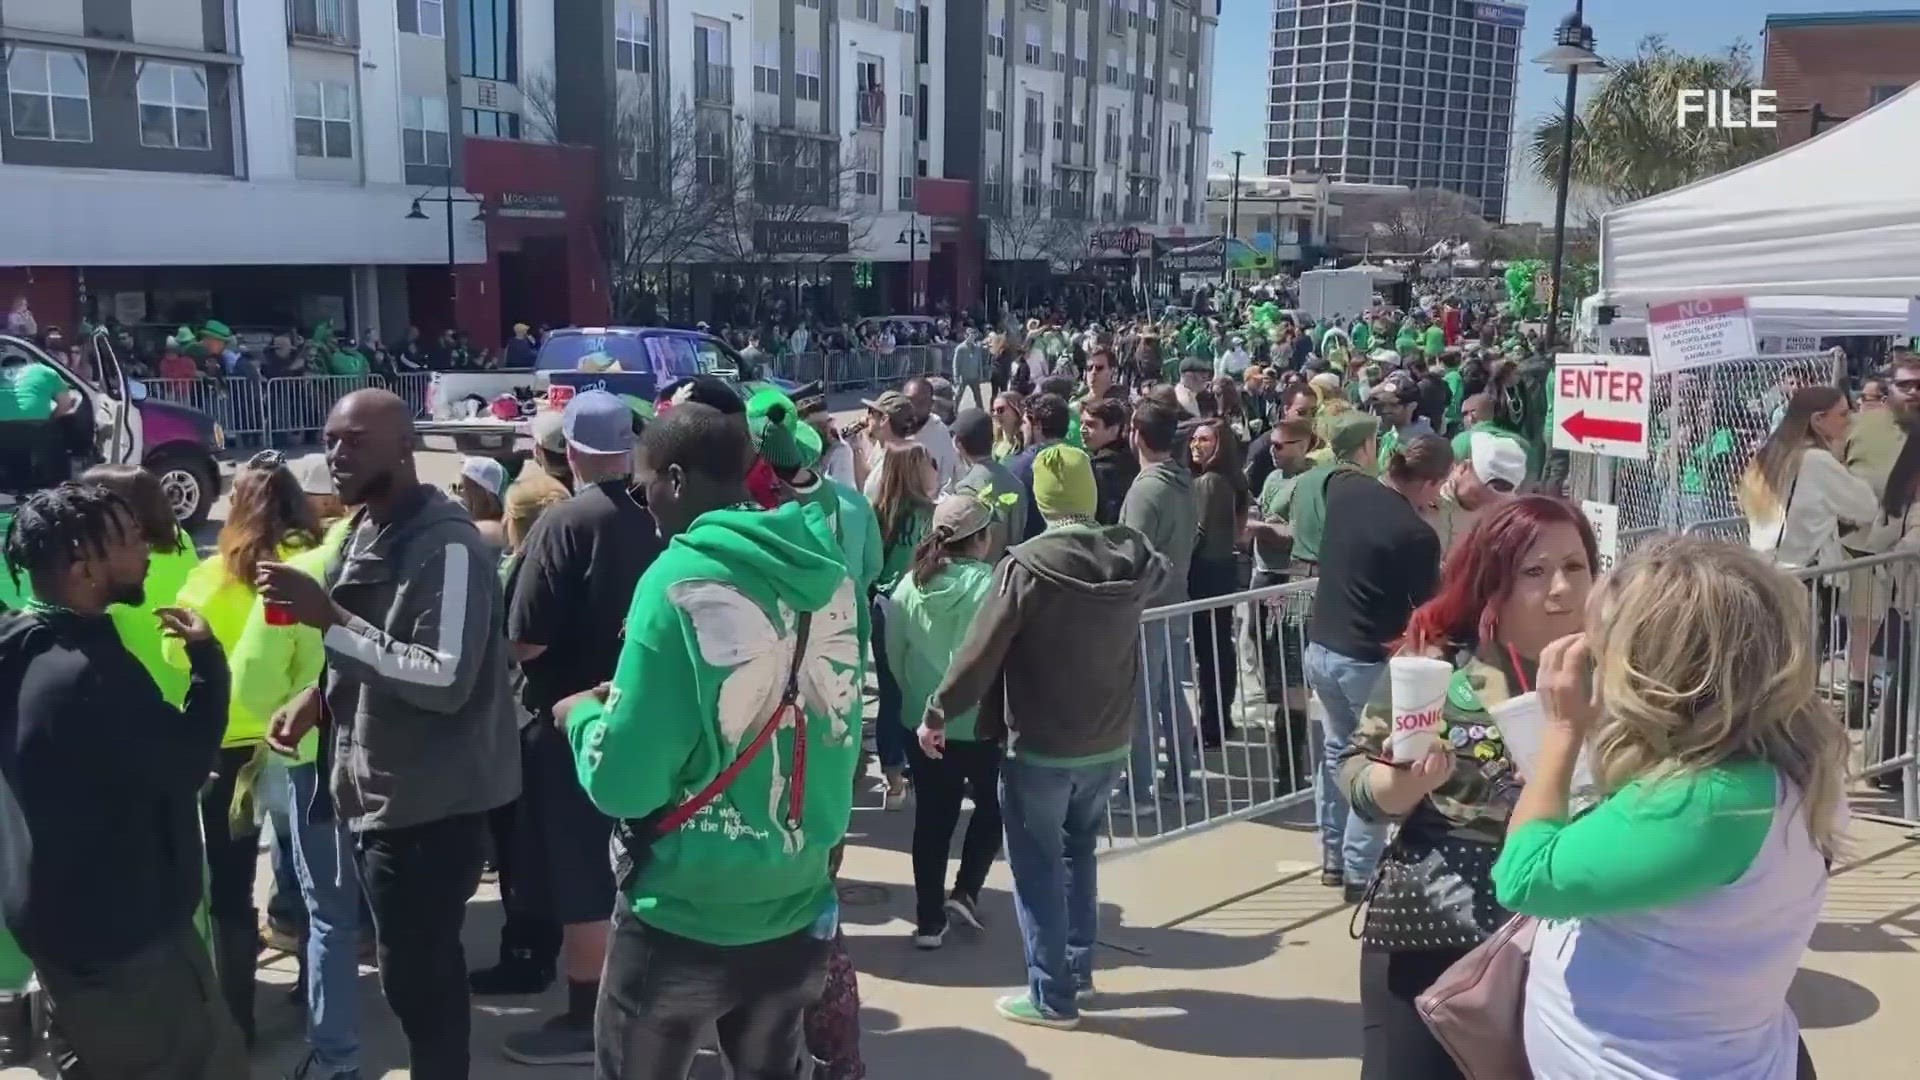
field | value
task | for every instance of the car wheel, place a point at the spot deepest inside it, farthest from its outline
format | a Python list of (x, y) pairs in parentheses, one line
[(189, 487)]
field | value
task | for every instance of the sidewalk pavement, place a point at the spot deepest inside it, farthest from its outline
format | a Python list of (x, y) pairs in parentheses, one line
[(1222, 958)]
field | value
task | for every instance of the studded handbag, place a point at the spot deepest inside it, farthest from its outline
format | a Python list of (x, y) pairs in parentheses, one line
[(1431, 890)]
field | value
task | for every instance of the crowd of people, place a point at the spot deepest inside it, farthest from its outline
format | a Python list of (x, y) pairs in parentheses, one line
[(634, 678)]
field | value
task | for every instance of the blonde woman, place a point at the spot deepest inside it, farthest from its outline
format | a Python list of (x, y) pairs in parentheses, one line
[(1796, 492), (1678, 908)]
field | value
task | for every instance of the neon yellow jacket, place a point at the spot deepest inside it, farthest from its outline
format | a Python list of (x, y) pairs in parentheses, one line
[(225, 603), (269, 664)]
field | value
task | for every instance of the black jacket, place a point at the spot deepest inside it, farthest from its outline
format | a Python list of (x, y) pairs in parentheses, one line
[(108, 777), (1114, 468)]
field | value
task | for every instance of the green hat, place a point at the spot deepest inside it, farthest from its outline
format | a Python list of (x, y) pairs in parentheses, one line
[(1349, 432), (214, 328), (1063, 485), (778, 433)]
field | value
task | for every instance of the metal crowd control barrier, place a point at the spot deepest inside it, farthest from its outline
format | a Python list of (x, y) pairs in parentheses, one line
[(1866, 631), (1243, 744), (854, 369), (282, 411)]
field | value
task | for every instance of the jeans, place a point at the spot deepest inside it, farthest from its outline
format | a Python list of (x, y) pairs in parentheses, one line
[(285, 905), (940, 783), (889, 733), (330, 884), (156, 1015), (660, 993), (1053, 816), (1165, 667), (418, 880), (1343, 686)]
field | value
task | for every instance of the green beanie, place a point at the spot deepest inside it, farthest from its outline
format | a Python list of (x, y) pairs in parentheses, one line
[(1063, 484)]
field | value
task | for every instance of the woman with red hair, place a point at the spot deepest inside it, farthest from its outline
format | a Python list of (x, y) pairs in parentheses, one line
[(1516, 583)]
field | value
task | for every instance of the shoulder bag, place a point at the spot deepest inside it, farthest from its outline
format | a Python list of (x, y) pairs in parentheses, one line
[(1476, 1009), (633, 838)]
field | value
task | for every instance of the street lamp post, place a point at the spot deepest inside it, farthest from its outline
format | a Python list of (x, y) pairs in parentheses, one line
[(913, 238), (1572, 54), (448, 198)]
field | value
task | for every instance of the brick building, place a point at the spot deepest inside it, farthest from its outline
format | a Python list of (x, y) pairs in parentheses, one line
[(1828, 68)]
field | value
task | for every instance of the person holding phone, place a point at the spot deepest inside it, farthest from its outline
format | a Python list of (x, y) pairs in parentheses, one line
[(1518, 582), (107, 775)]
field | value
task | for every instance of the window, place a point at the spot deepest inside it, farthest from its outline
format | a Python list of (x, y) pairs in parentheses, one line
[(712, 64), (1030, 188), (322, 19), (814, 4), (766, 68), (906, 193), (430, 16), (868, 10), (48, 98), (633, 39), (490, 123), (996, 119), (1884, 93), (866, 182), (997, 38), (904, 19), (806, 74), (906, 106), (710, 154), (925, 116), (1035, 50), (322, 119), (1080, 126), (173, 106), (1032, 134), (1059, 121), (1110, 74), (423, 131), (1079, 66), (870, 94), (1111, 148), (487, 40)]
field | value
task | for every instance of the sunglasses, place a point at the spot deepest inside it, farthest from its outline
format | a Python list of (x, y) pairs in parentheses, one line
[(267, 459), (1907, 386)]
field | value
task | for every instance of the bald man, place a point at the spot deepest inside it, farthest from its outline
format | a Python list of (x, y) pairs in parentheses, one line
[(423, 738)]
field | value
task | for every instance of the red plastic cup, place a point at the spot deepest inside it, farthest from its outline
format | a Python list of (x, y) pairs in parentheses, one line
[(279, 615), (558, 395)]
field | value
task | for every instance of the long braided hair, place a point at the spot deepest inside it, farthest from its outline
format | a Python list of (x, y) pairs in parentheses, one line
[(60, 525)]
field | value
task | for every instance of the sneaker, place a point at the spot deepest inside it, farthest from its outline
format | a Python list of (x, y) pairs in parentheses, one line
[(562, 1040), (1020, 1009), (896, 798), (16, 1030), (929, 938), (510, 977), (307, 1070), (966, 909), (283, 935), (1332, 874), (1352, 892)]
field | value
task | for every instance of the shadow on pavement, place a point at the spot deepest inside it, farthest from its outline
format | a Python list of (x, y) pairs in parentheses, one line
[(1222, 1025), (1822, 1001), (937, 1053)]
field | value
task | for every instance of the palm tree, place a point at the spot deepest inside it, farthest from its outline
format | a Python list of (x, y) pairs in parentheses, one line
[(1628, 142)]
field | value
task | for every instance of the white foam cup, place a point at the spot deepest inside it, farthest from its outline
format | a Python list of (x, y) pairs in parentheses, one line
[(1419, 686)]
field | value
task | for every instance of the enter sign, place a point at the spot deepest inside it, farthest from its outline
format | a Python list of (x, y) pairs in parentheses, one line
[(1601, 404)]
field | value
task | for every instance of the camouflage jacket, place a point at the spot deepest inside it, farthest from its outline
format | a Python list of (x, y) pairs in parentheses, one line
[(1478, 798)]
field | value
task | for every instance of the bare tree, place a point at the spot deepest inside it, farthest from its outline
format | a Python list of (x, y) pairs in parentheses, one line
[(759, 176), (656, 216), (1417, 222)]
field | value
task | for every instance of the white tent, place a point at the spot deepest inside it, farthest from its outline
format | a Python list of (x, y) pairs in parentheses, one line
[(1837, 215), (1778, 317)]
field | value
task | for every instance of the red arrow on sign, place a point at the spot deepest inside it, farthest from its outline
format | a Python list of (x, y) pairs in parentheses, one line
[(1583, 427)]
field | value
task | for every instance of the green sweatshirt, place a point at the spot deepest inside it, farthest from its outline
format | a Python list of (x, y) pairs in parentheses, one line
[(269, 664), (1651, 844), (708, 646), (930, 622), (852, 521)]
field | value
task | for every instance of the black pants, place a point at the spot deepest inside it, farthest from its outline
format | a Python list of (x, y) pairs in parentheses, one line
[(232, 858), (155, 1015), (941, 783), (661, 992), (418, 880), (1396, 1043), (528, 935), (1215, 665)]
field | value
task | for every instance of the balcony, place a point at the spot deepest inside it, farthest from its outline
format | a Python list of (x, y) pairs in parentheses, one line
[(713, 84), (323, 21), (870, 107)]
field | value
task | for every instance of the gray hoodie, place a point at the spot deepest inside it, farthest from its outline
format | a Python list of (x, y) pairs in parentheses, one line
[(1052, 659), (422, 721), (1162, 505)]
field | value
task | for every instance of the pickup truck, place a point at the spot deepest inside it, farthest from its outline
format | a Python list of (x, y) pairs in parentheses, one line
[(634, 362)]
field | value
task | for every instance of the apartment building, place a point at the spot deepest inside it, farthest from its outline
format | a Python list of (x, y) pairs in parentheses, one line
[(1412, 92), (259, 161), (1827, 68)]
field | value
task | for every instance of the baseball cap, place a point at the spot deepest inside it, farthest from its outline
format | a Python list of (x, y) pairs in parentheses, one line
[(312, 474), (1349, 431), (549, 431), (486, 472), (1497, 459), (890, 404), (1395, 392), (961, 514), (597, 422)]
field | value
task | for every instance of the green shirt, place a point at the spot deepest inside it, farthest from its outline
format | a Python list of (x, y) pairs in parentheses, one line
[(1434, 341), (1309, 508), (28, 391), (1651, 844), (1693, 479), (1456, 394)]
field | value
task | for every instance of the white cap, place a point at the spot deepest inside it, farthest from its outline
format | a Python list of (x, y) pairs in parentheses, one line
[(486, 472), (311, 471), (1497, 457)]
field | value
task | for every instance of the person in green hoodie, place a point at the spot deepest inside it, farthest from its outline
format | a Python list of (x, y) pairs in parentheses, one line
[(1057, 634), (932, 608), (743, 637)]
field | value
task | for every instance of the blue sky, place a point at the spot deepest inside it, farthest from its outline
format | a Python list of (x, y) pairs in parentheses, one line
[(1240, 69)]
